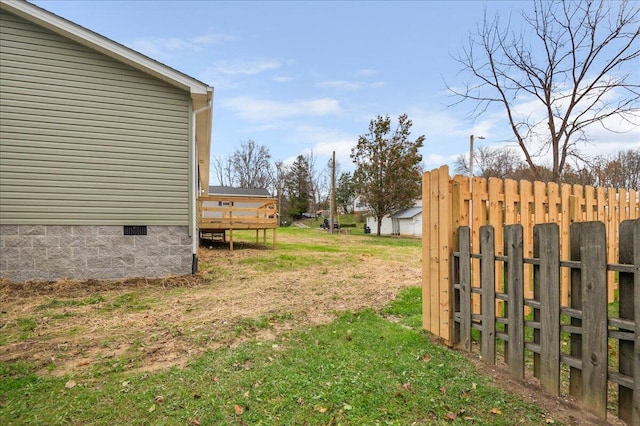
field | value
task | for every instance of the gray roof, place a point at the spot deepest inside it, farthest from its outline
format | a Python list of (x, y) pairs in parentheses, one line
[(407, 213), (239, 192)]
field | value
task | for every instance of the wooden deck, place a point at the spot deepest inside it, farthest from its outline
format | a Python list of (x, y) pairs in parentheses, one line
[(219, 214)]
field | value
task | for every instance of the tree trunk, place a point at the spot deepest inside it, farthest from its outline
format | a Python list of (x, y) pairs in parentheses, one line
[(379, 225)]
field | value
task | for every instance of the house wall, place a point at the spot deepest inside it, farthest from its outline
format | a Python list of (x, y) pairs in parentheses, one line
[(407, 226), (88, 144), (411, 226), (87, 140), (386, 227), (53, 252)]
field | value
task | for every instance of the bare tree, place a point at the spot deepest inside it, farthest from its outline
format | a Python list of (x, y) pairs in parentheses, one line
[(251, 164), (222, 170), (620, 171), (491, 162), (280, 183), (574, 59)]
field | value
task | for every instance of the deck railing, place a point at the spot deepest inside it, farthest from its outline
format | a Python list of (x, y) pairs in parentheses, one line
[(228, 212)]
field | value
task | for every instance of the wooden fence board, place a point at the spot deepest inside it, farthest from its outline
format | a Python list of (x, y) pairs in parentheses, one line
[(465, 288), (488, 302), (428, 281), (627, 311), (593, 257), (479, 211), (444, 243), (547, 292), (527, 233), (515, 304), (635, 419), (565, 223), (434, 298)]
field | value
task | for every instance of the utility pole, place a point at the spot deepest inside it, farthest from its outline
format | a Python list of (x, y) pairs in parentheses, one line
[(332, 201)]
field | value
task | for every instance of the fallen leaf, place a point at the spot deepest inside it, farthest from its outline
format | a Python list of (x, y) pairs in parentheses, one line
[(246, 394), (473, 385), (549, 421), (451, 416), (407, 386), (239, 409), (495, 410), (347, 407), (70, 384), (426, 358), (152, 408), (443, 390), (160, 399), (320, 409), (195, 422)]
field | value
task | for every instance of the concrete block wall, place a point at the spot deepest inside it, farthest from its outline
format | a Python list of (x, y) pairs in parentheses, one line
[(47, 252)]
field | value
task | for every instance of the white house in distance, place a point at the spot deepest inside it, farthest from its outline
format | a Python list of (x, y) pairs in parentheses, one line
[(407, 222), (103, 152)]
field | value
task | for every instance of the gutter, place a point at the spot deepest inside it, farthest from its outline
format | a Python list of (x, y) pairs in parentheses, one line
[(195, 233)]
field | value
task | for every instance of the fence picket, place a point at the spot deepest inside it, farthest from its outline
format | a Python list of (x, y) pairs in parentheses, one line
[(593, 256), (627, 311), (464, 294), (515, 304), (547, 292), (488, 294)]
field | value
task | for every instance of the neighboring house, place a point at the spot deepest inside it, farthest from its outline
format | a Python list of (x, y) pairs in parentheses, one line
[(103, 152), (359, 206), (407, 222)]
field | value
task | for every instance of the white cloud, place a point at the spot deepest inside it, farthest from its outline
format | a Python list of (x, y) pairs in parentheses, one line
[(340, 84), (366, 73), (246, 67), (282, 79), (350, 85), (254, 109), (165, 47)]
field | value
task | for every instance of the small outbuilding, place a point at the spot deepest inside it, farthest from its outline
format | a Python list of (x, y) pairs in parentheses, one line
[(406, 222)]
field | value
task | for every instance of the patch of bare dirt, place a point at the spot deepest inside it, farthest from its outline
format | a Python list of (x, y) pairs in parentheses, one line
[(150, 324)]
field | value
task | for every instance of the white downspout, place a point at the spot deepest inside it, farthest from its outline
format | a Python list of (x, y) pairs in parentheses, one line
[(195, 234)]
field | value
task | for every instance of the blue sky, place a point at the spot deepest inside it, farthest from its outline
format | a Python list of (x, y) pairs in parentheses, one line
[(309, 76)]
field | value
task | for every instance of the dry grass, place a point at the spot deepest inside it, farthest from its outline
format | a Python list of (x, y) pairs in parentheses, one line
[(151, 324)]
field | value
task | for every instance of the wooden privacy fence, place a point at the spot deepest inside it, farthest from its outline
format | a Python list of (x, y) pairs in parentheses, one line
[(597, 345), (450, 203)]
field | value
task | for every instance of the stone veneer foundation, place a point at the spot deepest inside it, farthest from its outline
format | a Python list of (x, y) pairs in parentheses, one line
[(48, 252)]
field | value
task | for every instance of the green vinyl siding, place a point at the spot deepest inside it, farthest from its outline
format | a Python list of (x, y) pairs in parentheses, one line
[(85, 139)]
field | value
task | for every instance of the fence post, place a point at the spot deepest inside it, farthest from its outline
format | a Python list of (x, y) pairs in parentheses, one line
[(629, 296), (588, 245), (546, 290), (488, 294), (513, 248)]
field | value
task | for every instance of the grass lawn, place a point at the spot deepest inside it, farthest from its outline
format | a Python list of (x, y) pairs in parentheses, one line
[(369, 363)]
